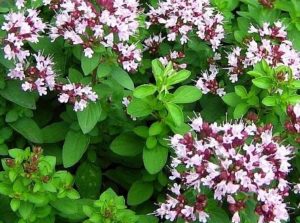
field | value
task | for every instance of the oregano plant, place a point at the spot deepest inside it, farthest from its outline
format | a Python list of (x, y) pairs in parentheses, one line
[(147, 111)]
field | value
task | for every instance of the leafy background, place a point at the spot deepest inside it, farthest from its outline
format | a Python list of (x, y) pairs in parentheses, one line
[(102, 146)]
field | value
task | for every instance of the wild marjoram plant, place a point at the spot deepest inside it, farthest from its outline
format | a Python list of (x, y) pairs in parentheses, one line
[(163, 104), (30, 181), (106, 88)]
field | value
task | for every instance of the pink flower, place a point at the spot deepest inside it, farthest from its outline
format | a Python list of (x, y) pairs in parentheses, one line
[(174, 57), (229, 159), (292, 125), (21, 27), (79, 22), (180, 18), (273, 47), (129, 56), (208, 82), (76, 94)]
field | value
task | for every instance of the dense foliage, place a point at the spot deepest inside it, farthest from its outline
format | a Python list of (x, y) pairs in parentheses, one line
[(127, 111)]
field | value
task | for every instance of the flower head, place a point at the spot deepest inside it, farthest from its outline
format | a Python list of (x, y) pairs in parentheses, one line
[(230, 159), (180, 18)]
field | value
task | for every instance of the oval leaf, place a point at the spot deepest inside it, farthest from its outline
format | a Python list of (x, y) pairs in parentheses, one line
[(176, 113), (89, 117), (127, 144), (29, 129), (139, 192), (89, 64), (155, 158), (55, 132), (88, 180), (240, 110), (186, 94), (122, 77), (263, 82), (14, 93), (178, 77), (74, 147), (139, 108), (144, 90)]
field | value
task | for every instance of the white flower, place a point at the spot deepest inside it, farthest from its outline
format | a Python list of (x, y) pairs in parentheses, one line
[(297, 110), (88, 52)]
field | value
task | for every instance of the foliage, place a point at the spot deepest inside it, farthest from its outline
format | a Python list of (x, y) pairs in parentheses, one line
[(105, 86)]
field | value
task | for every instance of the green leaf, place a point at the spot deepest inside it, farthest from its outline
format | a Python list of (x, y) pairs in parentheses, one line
[(74, 75), (14, 93), (88, 180), (147, 219), (241, 91), (36, 3), (295, 84), (89, 117), (139, 192), (16, 153), (156, 128), (270, 101), (127, 144), (71, 209), (3, 149), (104, 69), (74, 147), (157, 69), (155, 159), (5, 189), (15, 204), (255, 73), (122, 77), (232, 99), (25, 210), (144, 90), (176, 113), (263, 82), (88, 65), (216, 213), (186, 94), (141, 131), (139, 108), (294, 99), (248, 215), (29, 129), (213, 107), (55, 132), (178, 77), (151, 142), (240, 110)]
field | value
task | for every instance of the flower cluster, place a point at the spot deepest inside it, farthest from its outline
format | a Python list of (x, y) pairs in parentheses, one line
[(153, 42), (21, 3), (129, 56), (74, 21), (273, 47), (173, 57), (180, 18), (22, 27), (76, 94), (80, 23), (208, 83), (179, 206), (232, 159), (39, 77), (293, 124), (26, 27)]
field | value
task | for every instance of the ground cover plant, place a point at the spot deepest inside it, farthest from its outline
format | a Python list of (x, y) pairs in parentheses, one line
[(127, 111)]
